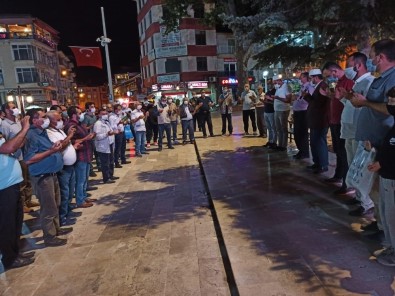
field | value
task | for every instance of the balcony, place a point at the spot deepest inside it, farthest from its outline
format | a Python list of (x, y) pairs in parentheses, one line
[(225, 49), (28, 35)]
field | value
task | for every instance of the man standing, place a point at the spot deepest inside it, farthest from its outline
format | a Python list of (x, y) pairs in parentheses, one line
[(194, 105), (66, 176), (318, 122), (282, 100), (260, 112), (203, 109), (301, 131), (248, 98), (84, 156), (269, 117), (44, 160), (104, 143), (11, 202), (138, 121), (333, 71), (117, 125), (88, 122), (226, 105), (373, 125), (164, 123), (10, 128)]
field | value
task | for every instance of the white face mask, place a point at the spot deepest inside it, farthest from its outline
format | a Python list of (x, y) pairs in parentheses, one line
[(104, 117), (82, 116), (93, 110), (45, 123), (16, 112), (350, 73), (139, 107), (277, 86), (170, 101), (59, 124), (185, 102)]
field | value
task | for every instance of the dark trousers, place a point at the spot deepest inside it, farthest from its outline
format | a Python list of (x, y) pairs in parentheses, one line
[(205, 117), (196, 120), (227, 118), (11, 219), (48, 193), (162, 128), (319, 146), (249, 114), (187, 126), (152, 131), (301, 132), (107, 163), (260, 119), (133, 131), (26, 185), (120, 148), (339, 147)]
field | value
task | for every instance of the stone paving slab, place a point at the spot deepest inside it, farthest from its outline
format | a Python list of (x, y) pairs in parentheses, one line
[(284, 230), (149, 234)]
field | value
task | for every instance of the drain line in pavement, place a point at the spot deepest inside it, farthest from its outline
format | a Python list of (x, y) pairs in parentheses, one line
[(234, 291)]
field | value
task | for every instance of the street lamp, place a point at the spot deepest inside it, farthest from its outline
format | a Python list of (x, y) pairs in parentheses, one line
[(20, 96), (265, 73)]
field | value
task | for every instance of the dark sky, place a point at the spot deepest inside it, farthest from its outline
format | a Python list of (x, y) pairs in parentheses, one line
[(79, 23)]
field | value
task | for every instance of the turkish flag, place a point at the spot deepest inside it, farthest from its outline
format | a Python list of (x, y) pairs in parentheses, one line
[(87, 56)]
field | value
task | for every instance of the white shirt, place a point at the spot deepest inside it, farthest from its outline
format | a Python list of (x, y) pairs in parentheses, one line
[(139, 125), (69, 153), (282, 92)]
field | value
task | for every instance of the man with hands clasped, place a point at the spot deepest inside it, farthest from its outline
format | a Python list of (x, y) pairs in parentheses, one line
[(138, 120)]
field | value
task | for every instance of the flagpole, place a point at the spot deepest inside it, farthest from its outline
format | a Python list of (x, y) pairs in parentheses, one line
[(104, 42)]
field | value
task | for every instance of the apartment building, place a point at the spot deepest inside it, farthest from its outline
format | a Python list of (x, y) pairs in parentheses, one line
[(29, 62)]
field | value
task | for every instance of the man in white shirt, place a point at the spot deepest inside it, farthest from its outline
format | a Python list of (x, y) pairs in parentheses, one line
[(249, 98), (138, 121), (66, 176)]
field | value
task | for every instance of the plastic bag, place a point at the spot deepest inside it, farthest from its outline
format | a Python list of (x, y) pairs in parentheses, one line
[(128, 132), (358, 175)]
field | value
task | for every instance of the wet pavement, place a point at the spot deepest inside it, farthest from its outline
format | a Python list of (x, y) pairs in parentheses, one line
[(153, 233)]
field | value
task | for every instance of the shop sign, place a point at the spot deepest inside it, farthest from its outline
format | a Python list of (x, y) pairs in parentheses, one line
[(171, 51), (197, 84), (166, 86), (229, 81), (154, 87), (169, 78)]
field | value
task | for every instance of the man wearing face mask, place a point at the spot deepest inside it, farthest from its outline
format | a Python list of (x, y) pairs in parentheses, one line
[(333, 71), (88, 123), (10, 128), (45, 160), (66, 176), (104, 143), (282, 100), (203, 108), (374, 125), (248, 98), (186, 115), (173, 119), (138, 120), (318, 121), (164, 123), (84, 156), (226, 105)]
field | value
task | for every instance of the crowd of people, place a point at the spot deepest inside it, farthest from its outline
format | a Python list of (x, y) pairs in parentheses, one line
[(50, 153)]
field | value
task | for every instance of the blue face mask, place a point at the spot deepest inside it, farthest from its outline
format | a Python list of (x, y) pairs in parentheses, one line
[(370, 66), (330, 80)]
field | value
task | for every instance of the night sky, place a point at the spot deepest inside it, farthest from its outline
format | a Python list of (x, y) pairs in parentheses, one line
[(79, 24)]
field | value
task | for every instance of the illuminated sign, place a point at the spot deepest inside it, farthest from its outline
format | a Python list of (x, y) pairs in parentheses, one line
[(155, 87), (197, 84), (166, 86), (229, 81)]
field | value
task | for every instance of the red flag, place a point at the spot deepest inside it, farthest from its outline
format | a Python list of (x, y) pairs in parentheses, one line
[(87, 56)]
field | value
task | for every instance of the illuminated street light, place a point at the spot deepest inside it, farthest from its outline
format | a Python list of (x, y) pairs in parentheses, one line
[(20, 96)]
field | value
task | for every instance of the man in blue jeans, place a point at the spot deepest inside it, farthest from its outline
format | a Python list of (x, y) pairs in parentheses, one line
[(138, 120), (84, 156)]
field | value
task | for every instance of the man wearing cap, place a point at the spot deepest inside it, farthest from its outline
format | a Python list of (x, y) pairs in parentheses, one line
[(282, 100), (318, 121), (248, 97)]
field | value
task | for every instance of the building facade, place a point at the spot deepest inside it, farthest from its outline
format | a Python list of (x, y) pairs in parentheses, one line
[(29, 61), (96, 94)]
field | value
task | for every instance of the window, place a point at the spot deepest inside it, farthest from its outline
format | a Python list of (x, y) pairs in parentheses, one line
[(150, 17), (173, 65), (1, 77), (24, 52), (230, 69), (200, 37), (201, 63), (198, 10), (27, 75)]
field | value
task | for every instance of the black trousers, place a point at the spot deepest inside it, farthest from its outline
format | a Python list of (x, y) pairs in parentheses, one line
[(340, 150), (152, 131), (205, 117), (249, 114), (227, 118), (301, 132), (107, 163), (11, 219), (196, 120), (120, 148)]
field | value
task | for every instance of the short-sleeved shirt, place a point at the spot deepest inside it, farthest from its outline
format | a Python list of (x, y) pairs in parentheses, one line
[(37, 141), (89, 120), (248, 103), (373, 125), (10, 171), (282, 92), (9, 130), (69, 154), (139, 125)]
